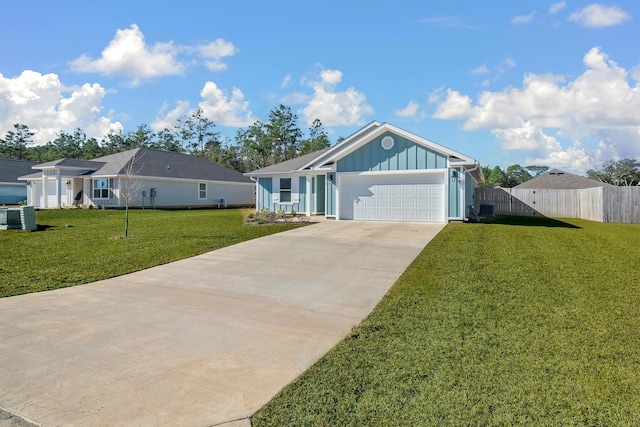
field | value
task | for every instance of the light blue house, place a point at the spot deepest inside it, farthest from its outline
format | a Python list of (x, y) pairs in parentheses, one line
[(380, 173), (13, 191)]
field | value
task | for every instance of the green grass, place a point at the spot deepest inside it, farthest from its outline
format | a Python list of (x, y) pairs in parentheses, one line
[(73, 247), (524, 321)]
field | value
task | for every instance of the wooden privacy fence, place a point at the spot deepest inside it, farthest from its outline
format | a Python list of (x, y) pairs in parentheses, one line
[(603, 204)]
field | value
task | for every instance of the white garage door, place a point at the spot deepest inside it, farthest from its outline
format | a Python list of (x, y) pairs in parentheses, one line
[(393, 197)]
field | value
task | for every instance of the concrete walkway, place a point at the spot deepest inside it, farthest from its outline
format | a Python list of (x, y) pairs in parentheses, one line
[(204, 341)]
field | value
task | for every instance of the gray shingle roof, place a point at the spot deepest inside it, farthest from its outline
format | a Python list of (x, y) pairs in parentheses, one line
[(166, 164), (556, 179), (288, 165), (73, 163), (10, 170)]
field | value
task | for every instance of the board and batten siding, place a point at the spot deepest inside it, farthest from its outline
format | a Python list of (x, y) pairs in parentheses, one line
[(404, 155), (265, 191)]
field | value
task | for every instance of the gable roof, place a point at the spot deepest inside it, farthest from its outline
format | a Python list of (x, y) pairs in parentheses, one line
[(165, 164), (375, 129), (556, 179), (326, 157), (10, 170)]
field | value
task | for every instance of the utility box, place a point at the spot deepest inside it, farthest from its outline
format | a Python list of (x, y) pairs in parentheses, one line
[(18, 218)]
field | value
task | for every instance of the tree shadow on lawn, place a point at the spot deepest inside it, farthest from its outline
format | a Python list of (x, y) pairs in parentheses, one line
[(528, 221)]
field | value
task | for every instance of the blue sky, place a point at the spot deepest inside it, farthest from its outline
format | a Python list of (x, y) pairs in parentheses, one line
[(528, 82)]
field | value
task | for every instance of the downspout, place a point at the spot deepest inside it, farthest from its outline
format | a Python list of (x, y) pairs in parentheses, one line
[(475, 168)]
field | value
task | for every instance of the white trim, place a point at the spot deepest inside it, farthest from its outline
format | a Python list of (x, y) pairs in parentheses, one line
[(354, 135), (159, 178), (326, 194), (58, 167), (294, 172), (307, 195), (108, 188), (206, 191), (361, 138), (141, 177), (337, 183), (400, 172), (443, 173)]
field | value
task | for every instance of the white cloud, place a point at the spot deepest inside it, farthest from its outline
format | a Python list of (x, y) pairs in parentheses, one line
[(214, 52), (455, 106), (223, 109), (335, 108), (44, 104), (598, 15), (435, 95), (128, 55), (167, 119), (217, 106), (411, 110), (286, 81), (529, 136), (497, 72), (600, 106), (557, 7), (482, 69), (523, 19), (508, 63)]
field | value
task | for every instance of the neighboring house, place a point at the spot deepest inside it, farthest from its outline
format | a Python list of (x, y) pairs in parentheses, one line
[(380, 173), (146, 177), (13, 191), (558, 180)]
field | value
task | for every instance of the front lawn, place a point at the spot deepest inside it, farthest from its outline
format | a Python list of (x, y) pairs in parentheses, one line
[(517, 322), (73, 247)]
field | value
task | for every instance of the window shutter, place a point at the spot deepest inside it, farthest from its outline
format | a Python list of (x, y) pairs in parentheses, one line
[(111, 188)]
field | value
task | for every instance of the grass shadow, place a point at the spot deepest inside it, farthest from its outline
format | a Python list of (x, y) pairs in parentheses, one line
[(44, 227), (527, 221)]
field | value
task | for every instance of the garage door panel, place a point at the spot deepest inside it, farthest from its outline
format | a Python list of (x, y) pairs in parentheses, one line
[(393, 198), (409, 203), (396, 203), (423, 191)]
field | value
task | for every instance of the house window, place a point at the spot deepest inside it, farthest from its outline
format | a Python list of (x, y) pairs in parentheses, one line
[(285, 190), (202, 190), (102, 188)]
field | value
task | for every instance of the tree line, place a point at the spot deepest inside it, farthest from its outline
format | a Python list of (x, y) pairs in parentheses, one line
[(260, 144), (257, 146), (512, 176), (623, 172)]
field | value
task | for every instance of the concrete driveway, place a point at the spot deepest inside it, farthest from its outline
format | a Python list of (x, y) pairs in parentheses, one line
[(200, 342)]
